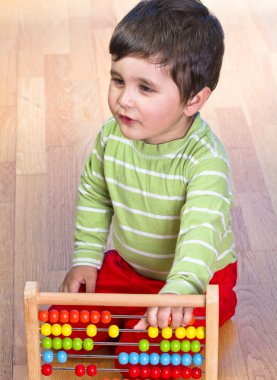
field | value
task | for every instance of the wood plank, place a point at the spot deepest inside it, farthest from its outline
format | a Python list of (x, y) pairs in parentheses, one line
[(7, 181), (7, 134), (8, 73)]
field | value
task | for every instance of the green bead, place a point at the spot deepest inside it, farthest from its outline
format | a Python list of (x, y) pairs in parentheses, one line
[(195, 346), (185, 346), (143, 345), (77, 344), (47, 343), (175, 345), (67, 343), (165, 345), (88, 344), (57, 343)]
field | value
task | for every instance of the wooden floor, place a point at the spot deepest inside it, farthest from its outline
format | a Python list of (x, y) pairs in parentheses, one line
[(54, 69)]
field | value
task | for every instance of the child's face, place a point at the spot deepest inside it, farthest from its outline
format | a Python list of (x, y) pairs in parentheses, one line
[(145, 101)]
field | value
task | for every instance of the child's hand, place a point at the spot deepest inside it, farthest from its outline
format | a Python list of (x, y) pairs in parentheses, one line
[(77, 276), (159, 317)]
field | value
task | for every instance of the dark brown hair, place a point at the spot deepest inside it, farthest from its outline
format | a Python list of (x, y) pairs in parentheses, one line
[(180, 33)]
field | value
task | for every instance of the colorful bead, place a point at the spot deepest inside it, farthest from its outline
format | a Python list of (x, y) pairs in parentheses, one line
[(195, 346), (200, 332), (77, 344), (88, 344), (61, 357), (46, 329), (74, 316), (185, 346), (175, 359), (197, 359), (176, 373), (57, 343), (165, 345), (46, 369), (133, 358), (91, 330), (56, 329), (64, 316), (123, 358), (66, 329), (143, 345), (46, 343), (153, 332), (43, 315), (84, 316), (166, 373), (155, 372), (167, 333), (191, 332), (80, 370), (48, 356), (196, 373), (186, 373), (106, 317), (154, 358), (53, 316), (143, 358), (134, 372), (175, 345), (180, 332), (165, 359), (144, 372), (67, 343), (91, 370), (94, 316), (186, 360), (113, 331)]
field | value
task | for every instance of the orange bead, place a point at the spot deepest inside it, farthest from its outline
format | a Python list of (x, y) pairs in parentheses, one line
[(169, 320), (53, 316), (64, 316), (191, 321), (74, 316), (84, 316), (106, 317), (94, 316), (43, 315)]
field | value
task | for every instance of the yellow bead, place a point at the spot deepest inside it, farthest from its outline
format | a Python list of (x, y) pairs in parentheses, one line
[(153, 332), (180, 332), (167, 333), (191, 332), (91, 330), (113, 331), (56, 329), (66, 329), (200, 332), (46, 329)]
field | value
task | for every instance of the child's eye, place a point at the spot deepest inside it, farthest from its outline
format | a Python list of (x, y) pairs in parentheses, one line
[(117, 81), (145, 88)]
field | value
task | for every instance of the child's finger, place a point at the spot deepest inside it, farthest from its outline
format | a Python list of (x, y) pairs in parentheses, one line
[(187, 315), (142, 324)]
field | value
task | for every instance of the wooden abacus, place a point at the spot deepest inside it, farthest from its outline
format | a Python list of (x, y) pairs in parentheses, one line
[(33, 299)]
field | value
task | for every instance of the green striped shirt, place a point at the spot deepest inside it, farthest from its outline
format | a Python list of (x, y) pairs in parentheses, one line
[(170, 205)]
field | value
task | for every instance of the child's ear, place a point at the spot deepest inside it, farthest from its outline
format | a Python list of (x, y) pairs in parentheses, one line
[(195, 103)]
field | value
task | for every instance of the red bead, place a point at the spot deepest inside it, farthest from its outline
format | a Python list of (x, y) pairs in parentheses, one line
[(196, 373), (94, 316), (74, 316), (186, 373), (53, 316), (134, 371), (92, 370), (46, 369), (64, 316), (144, 372), (176, 372), (84, 316), (166, 373), (155, 372), (80, 370), (106, 317), (43, 316), (169, 320)]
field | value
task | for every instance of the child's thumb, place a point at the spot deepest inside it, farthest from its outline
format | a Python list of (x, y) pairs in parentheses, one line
[(141, 325)]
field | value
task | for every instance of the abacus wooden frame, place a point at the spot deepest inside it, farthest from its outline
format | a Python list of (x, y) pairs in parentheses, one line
[(33, 299)]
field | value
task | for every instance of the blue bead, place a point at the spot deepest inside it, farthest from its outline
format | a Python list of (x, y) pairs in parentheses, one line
[(62, 357), (186, 360), (175, 359), (48, 356), (123, 358), (143, 358), (197, 359), (154, 358), (133, 358), (165, 359)]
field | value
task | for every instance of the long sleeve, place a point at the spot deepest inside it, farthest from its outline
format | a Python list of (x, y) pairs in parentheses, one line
[(94, 210), (204, 229)]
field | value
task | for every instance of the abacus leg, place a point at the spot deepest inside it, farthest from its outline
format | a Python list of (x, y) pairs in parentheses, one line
[(212, 323)]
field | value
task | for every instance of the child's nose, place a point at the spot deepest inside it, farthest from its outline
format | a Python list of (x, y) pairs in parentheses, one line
[(126, 98)]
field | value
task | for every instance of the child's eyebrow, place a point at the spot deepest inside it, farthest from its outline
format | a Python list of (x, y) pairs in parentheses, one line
[(147, 82), (113, 72)]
